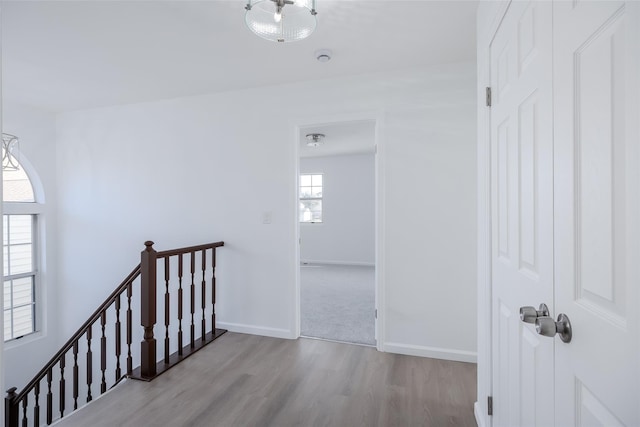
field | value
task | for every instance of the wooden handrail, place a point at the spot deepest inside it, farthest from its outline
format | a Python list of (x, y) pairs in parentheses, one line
[(79, 333), (188, 249)]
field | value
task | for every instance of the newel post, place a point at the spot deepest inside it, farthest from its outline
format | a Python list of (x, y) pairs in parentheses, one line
[(11, 408), (148, 267)]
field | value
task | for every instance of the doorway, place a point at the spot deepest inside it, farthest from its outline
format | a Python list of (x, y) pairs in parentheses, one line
[(337, 231)]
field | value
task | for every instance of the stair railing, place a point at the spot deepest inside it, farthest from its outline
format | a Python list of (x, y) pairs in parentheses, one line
[(25, 407)]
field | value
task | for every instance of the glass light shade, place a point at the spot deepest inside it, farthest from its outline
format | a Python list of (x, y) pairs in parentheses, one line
[(297, 21)]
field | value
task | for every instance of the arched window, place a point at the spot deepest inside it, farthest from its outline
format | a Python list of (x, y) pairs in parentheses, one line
[(20, 248)]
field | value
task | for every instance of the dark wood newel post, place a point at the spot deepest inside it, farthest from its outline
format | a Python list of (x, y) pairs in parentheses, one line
[(148, 267), (11, 408)]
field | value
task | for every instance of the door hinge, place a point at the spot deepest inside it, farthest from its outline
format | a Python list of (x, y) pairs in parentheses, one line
[(490, 405), (376, 313), (488, 96)]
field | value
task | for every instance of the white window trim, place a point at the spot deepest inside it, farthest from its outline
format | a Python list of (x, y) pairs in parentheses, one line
[(314, 223), (22, 208), (35, 209), (31, 208)]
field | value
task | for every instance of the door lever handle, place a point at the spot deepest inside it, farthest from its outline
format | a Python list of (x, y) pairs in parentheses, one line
[(529, 314), (547, 327)]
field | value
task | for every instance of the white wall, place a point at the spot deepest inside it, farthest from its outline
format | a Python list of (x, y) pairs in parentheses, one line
[(23, 358), (205, 168), (347, 232), (430, 211)]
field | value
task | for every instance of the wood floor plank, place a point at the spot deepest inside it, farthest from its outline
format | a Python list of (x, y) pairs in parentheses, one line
[(247, 380)]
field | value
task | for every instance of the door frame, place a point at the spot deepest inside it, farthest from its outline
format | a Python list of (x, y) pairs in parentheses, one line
[(375, 116), (490, 16)]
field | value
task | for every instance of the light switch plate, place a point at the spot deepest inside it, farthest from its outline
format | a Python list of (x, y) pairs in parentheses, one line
[(266, 217)]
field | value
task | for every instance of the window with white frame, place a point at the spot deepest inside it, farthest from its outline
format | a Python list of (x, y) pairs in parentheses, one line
[(20, 222), (311, 198)]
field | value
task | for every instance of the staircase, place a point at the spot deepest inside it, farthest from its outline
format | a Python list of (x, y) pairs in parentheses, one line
[(189, 283)]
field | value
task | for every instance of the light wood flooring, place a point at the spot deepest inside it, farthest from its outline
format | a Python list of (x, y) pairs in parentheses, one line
[(248, 380)]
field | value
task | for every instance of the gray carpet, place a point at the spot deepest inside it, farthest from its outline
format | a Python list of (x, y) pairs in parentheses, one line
[(337, 302)]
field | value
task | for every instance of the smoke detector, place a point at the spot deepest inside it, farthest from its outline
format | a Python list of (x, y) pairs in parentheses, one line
[(323, 55), (315, 139)]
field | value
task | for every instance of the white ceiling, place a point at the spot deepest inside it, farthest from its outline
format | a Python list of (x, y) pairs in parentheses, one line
[(66, 55), (340, 138)]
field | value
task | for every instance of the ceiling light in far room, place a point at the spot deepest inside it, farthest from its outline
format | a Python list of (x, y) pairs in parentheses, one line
[(315, 139), (281, 20), (323, 55)]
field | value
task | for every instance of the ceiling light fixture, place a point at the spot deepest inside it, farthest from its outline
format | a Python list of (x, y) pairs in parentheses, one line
[(281, 20), (315, 139), (9, 145)]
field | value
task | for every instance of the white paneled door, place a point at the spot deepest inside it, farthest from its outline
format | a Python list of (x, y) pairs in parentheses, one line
[(596, 75), (565, 216), (522, 212)]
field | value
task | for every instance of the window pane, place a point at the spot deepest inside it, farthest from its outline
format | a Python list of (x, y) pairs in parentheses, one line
[(316, 180), (7, 294), (5, 256), (305, 180), (22, 291), (16, 186), (301, 212), (20, 259), (311, 211), (5, 236), (20, 316), (22, 320), (316, 191), (7, 325), (20, 229), (18, 247), (305, 192)]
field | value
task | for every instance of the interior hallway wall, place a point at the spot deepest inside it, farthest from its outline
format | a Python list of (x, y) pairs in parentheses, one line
[(206, 168)]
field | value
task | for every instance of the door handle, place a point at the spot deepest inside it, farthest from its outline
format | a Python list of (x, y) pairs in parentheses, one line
[(547, 327), (529, 314)]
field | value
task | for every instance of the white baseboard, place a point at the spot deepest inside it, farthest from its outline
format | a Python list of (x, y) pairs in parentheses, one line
[(433, 352), (330, 262), (256, 330), (480, 418)]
